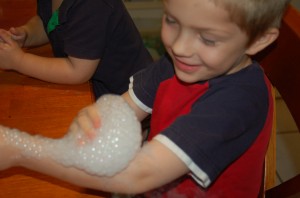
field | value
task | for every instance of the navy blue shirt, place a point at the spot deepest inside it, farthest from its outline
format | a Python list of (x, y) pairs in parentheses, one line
[(98, 29)]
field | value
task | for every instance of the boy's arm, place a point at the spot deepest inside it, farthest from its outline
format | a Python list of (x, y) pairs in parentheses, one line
[(56, 70), (153, 166), (140, 114)]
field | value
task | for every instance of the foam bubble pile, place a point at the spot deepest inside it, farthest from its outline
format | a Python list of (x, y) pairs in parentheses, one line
[(116, 143)]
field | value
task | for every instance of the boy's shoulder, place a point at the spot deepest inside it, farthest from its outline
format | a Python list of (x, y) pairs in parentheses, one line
[(252, 74)]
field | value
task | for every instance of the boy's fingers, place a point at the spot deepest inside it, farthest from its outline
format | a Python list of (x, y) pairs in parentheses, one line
[(84, 122), (83, 129), (1, 37), (5, 37), (13, 29), (95, 117), (16, 33)]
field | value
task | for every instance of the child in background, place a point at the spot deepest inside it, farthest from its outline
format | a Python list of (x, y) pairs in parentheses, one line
[(211, 106), (91, 40)]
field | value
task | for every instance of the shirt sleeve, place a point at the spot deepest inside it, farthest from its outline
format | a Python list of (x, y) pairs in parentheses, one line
[(84, 36), (144, 84)]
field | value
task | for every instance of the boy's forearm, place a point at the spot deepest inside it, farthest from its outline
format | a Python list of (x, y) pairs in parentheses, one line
[(148, 170), (143, 174), (54, 70)]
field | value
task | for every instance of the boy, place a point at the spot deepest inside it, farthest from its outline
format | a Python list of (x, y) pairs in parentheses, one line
[(211, 105), (91, 40)]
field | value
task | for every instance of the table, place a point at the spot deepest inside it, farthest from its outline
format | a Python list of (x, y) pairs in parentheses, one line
[(42, 108)]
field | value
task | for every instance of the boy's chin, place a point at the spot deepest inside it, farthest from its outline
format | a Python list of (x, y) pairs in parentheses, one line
[(187, 78)]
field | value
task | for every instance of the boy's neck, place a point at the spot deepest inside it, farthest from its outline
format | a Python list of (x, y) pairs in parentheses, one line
[(244, 62)]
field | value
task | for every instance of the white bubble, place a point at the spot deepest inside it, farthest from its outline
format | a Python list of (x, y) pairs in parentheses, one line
[(115, 145)]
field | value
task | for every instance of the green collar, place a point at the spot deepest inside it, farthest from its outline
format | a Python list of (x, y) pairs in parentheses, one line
[(53, 22)]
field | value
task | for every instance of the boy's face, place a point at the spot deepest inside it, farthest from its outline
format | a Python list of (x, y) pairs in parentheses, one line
[(201, 40)]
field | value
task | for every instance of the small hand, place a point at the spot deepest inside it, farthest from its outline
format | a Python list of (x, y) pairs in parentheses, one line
[(10, 52), (18, 34), (87, 122)]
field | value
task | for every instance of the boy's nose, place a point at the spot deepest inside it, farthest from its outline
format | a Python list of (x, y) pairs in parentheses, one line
[(183, 45)]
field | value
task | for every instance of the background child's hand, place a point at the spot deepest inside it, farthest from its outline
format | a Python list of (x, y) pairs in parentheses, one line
[(19, 34), (86, 122), (10, 52)]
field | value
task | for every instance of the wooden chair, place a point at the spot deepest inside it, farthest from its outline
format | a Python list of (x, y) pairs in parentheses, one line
[(281, 62)]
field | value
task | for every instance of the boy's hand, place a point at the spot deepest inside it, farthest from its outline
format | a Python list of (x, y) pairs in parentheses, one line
[(18, 34), (10, 52), (87, 122)]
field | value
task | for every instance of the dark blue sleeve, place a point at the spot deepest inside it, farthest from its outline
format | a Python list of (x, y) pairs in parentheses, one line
[(44, 11), (84, 27), (146, 82)]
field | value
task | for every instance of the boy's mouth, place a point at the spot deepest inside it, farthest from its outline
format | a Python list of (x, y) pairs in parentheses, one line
[(188, 68)]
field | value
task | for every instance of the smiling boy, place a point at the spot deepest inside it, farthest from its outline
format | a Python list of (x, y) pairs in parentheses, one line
[(211, 105)]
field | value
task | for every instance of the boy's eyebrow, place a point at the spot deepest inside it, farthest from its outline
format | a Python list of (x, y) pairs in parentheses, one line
[(215, 32)]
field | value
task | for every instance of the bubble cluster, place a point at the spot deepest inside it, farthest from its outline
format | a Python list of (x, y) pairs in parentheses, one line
[(116, 143)]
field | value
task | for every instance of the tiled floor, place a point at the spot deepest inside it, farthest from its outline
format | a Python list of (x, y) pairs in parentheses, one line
[(288, 144)]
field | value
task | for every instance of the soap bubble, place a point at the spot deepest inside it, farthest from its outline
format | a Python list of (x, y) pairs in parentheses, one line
[(116, 143)]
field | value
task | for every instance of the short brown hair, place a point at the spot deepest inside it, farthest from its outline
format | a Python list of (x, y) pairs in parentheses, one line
[(255, 16)]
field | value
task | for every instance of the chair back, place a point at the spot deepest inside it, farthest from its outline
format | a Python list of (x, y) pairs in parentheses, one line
[(281, 62)]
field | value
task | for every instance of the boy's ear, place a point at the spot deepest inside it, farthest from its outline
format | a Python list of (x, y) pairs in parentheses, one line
[(263, 41)]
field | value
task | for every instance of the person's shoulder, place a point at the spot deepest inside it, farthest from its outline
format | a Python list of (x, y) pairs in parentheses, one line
[(248, 84), (252, 73)]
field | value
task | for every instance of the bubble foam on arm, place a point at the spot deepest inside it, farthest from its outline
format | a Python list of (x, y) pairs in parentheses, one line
[(116, 143)]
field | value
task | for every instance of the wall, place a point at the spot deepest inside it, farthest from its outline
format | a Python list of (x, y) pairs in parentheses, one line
[(296, 3)]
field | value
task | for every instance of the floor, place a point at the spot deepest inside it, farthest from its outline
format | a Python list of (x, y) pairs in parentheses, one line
[(288, 144)]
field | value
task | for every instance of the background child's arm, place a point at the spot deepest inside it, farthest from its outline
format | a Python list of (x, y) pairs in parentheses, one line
[(56, 70)]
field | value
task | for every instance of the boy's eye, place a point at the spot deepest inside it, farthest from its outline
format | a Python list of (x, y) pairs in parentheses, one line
[(208, 42), (169, 19)]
